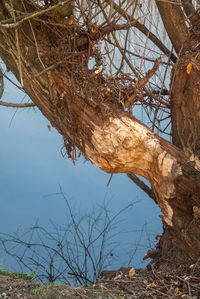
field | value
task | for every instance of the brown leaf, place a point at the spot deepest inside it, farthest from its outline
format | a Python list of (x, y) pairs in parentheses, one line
[(119, 276), (189, 68), (176, 291), (131, 272), (151, 285)]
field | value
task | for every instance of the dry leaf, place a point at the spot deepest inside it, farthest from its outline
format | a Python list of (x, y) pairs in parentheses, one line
[(189, 68), (119, 276), (151, 285), (131, 272), (174, 282), (192, 266), (176, 291), (107, 91)]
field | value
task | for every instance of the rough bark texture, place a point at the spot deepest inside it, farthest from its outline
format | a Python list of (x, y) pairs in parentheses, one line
[(185, 110), (185, 104), (188, 7), (83, 106), (173, 20)]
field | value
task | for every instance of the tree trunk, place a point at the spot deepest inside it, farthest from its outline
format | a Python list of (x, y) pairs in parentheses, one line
[(185, 104), (185, 110), (84, 107)]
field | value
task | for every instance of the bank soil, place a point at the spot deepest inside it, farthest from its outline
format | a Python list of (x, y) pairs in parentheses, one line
[(139, 283)]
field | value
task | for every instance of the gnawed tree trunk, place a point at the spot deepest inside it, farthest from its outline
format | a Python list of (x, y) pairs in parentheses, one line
[(84, 107)]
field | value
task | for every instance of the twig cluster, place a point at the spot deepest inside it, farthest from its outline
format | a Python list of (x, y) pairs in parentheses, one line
[(74, 254), (114, 26)]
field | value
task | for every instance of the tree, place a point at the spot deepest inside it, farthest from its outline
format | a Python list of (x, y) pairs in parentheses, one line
[(76, 61)]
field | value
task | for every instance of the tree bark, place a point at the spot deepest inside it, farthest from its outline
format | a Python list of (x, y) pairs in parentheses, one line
[(185, 104), (83, 106), (185, 114), (174, 22)]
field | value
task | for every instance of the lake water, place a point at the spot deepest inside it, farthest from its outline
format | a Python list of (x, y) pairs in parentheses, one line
[(32, 171)]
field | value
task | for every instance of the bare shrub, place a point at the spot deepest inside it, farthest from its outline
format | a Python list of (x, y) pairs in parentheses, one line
[(74, 253)]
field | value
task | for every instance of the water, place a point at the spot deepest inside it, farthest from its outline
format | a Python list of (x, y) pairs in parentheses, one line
[(32, 171)]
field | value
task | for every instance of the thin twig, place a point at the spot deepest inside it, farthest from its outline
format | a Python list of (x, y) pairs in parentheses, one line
[(144, 30)]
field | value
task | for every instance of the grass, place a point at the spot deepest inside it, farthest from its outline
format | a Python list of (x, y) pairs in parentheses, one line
[(23, 276), (41, 290)]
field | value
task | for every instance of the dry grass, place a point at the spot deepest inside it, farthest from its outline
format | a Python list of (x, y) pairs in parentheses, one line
[(179, 283)]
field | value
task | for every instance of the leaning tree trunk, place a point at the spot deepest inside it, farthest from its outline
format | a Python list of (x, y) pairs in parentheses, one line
[(83, 106)]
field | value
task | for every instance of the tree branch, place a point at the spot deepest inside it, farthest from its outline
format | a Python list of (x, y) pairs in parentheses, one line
[(29, 16), (188, 7), (174, 22), (141, 83), (100, 32), (144, 30), (142, 186), (13, 105)]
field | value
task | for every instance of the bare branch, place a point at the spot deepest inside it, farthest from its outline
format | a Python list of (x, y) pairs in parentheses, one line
[(11, 81), (142, 186), (29, 16), (174, 22), (13, 105), (141, 83), (78, 253), (144, 30), (1, 84), (100, 32)]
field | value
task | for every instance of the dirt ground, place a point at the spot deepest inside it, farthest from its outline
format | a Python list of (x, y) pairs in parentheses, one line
[(122, 283)]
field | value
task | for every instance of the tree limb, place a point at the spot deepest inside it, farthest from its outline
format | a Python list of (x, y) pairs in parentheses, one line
[(188, 7), (29, 16), (100, 32), (13, 105), (142, 186), (174, 22), (141, 83)]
